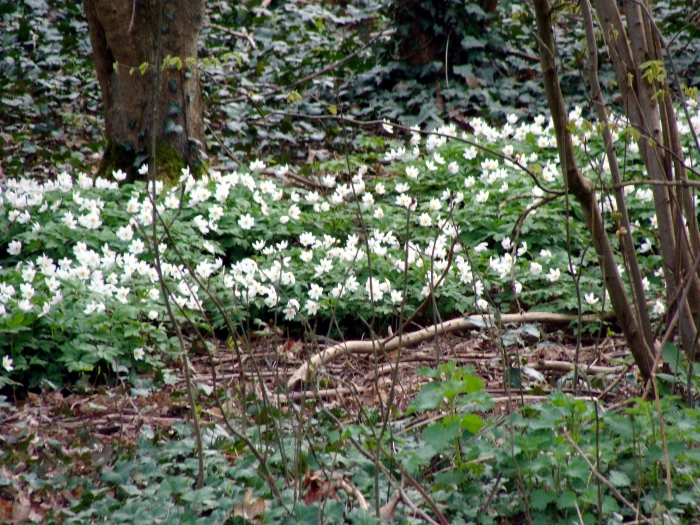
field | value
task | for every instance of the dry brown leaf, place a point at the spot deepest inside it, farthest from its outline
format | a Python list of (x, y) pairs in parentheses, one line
[(5, 510), (318, 488), (473, 82), (386, 511), (252, 510)]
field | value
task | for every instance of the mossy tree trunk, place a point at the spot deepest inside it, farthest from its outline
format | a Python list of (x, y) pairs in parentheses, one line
[(124, 35)]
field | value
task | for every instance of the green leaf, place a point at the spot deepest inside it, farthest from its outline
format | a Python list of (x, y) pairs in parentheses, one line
[(293, 97), (175, 62), (472, 384), (413, 460), (306, 514), (465, 70), (515, 377), (131, 490), (539, 499), (16, 319), (362, 517), (566, 500), (205, 497), (439, 434), (429, 398), (578, 469), (174, 109), (172, 127), (481, 322), (472, 423), (619, 479), (470, 42), (672, 356), (531, 329)]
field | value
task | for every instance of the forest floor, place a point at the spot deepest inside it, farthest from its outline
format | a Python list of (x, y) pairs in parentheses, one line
[(76, 432)]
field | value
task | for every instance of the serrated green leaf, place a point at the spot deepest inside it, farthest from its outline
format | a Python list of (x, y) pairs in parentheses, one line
[(619, 479), (566, 500), (610, 504), (439, 434), (413, 460), (429, 398), (539, 499), (472, 423)]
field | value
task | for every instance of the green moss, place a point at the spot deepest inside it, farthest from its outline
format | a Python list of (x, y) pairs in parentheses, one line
[(170, 163), (117, 157)]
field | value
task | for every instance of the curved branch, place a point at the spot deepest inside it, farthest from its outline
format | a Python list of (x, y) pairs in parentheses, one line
[(306, 371)]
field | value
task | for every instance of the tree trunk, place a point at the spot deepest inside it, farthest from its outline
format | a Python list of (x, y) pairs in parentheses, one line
[(582, 189), (629, 50), (124, 35)]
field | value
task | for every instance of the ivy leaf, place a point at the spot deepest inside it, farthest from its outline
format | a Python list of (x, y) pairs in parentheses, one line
[(306, 514), (172, 127), (362, 517), (480, 322), (470, 42), (205, 497), (131, 490), (174, 109)]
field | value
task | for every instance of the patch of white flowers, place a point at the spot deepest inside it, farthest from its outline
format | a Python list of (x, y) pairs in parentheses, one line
[(298, 265)]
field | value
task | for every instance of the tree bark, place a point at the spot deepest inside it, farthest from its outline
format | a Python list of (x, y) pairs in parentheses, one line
[(627, 242), (629, 49), (124, 35), (582, 189)]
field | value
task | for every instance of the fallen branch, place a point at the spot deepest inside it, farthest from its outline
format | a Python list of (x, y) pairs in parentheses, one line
[(563, 366), (386, 369), (306, 371), (322, 393)]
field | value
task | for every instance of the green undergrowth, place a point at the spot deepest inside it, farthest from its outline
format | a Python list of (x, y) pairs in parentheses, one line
[(475, 469), (479, 64)]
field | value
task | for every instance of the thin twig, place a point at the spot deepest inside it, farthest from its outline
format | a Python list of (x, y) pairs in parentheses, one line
[(240, 34)]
